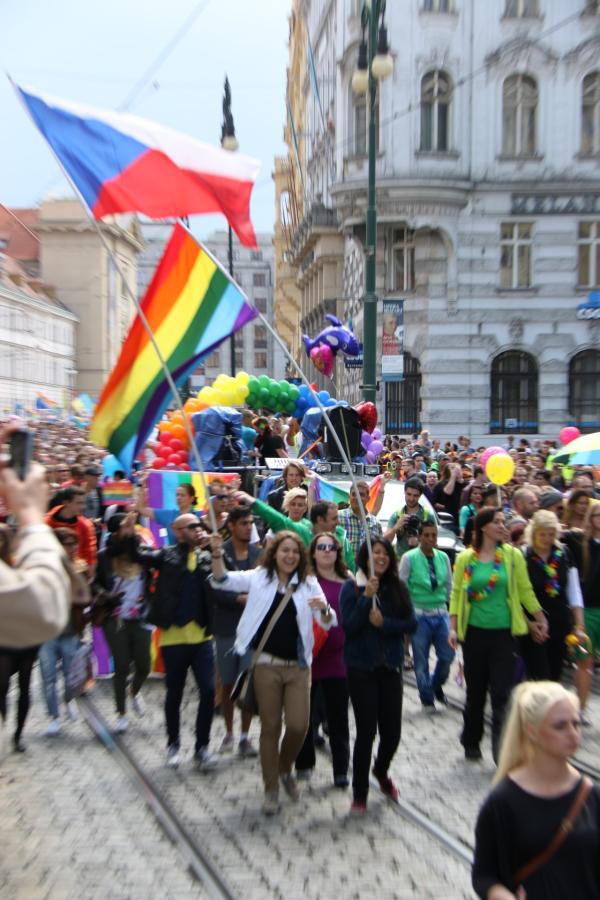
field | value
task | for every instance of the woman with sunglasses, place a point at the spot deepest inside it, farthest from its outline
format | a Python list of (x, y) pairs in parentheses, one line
[(376, 614), (282, 587), (328, 668)]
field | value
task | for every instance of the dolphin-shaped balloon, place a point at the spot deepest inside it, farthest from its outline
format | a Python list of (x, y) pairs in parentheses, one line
[(336, 336)]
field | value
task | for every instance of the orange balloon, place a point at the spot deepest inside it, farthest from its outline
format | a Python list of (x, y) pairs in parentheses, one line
[(178, 431), (176, 419), (164, 426), (192, 405)]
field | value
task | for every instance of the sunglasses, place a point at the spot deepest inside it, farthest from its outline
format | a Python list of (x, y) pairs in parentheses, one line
[(220, 496), (326, 548)]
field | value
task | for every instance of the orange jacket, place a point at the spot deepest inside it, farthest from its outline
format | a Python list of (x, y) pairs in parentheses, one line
[(84, 531)]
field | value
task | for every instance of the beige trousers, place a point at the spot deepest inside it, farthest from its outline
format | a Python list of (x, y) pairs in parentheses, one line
[(281, 691)]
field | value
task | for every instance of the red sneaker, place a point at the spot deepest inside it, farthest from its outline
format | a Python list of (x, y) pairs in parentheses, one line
[(358, 808), (387, 786)]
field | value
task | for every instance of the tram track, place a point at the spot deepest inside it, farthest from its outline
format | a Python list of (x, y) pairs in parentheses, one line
[(452, 703), (198, 863)]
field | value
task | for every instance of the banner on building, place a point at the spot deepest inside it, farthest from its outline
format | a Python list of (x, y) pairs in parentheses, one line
[(392, 341)]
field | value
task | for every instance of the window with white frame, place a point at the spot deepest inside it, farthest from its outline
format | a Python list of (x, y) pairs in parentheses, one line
[(402, 269), (588, 254), (519, 111), (515, 255), (260, 337), (260, 360), (522, 9), (590, 114), (437, 6), (436, 91), (361, 125)]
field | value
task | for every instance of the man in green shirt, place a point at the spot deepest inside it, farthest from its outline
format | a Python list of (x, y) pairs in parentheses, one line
[(323, 517), (428, 575)]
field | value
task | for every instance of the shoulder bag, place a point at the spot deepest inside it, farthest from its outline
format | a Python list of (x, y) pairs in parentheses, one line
[(242, 691), (566, 826)]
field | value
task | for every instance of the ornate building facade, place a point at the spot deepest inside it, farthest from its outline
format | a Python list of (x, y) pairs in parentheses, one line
[(488, 199)]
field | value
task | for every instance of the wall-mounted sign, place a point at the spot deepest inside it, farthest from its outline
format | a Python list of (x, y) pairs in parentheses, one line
[(354, 362), (392, 341), (549, 204), (590, 308)]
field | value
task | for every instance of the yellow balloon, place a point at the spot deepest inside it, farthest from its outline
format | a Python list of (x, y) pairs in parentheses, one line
[(243, 392), (242, 378), (500, 468)]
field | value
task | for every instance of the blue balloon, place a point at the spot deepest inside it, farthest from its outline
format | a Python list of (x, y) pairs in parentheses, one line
[(323, 396)]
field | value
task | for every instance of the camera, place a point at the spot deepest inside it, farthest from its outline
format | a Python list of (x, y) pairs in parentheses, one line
[(411, 526)]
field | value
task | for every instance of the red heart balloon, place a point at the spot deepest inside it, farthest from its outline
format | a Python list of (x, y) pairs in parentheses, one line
[(367, 414)]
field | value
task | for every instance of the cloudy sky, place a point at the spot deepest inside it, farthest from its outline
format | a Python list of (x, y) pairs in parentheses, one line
[(101, 52)]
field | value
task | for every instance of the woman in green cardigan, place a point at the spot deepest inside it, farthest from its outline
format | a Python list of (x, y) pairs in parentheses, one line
[(490, 587)]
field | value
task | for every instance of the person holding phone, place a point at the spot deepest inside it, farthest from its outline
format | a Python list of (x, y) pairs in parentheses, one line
[(34, 593)]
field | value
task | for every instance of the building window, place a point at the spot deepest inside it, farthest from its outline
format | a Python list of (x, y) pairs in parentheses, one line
[(588, 254), (239, 360), (238, 338), (514, 393), (515, 255), (437, 6), (590, 114), (519, 109), (261, 304), (259, 279), (213, 361), (260, 360), (584, 390), (403, 400), (403, 260), (436, 90), (361, 125), (260, 337), (521, 9), (256, 255)]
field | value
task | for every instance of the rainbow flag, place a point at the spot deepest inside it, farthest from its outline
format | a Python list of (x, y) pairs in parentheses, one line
[(42, 401), (120, 492), (162, 486), (192, 306), (327, 490)]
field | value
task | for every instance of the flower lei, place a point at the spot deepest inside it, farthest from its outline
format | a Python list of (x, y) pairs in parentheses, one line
[(477, 596), (552, 585)]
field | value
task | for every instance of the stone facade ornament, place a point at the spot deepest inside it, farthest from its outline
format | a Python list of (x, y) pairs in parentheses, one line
[(515, 329)]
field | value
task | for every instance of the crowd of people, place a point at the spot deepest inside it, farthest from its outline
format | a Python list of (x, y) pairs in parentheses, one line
[(318, 609)]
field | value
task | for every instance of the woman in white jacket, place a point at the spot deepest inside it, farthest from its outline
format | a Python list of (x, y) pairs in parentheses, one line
[(282, 671)]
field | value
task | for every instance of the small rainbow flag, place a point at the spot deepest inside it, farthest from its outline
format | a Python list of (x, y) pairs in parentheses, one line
[(119, 492), (327, 490), (42, 401), (161, 486), (192, 306)]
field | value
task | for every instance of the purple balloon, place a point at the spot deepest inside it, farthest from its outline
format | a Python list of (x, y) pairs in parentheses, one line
[(377, 434), (370, 456), (376, 447), (366, 439)]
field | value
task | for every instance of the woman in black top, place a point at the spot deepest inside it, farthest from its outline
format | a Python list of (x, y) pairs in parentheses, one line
[(376, 614), (535, 789), (555, 582)]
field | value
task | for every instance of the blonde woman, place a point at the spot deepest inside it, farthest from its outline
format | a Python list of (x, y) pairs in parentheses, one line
[(535, 790), (555, 583)]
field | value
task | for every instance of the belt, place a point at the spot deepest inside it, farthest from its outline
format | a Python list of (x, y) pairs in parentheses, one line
[(438, 611), (267, 659)]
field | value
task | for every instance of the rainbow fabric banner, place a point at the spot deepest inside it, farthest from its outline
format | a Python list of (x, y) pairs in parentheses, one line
[(162, 486), (192, 306), (119, 492)]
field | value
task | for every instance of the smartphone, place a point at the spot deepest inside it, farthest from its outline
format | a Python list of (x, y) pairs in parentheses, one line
[(21, 451)]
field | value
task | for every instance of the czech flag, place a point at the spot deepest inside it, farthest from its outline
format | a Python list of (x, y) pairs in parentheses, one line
[(122, 163)]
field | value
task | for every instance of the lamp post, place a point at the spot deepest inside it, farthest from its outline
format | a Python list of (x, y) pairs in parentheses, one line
[(374, 64), (229, 142)]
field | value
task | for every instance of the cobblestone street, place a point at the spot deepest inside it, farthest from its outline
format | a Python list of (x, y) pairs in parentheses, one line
[(74, 825)]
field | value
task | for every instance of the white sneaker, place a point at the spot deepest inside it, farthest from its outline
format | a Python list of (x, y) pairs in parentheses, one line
[(139, 707), (204, 761), (226, 744), (53, 728), (72, 711), (173, 756), (121, 725)]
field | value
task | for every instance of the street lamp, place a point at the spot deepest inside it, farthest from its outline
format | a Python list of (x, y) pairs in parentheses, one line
[(374, 64), (229, 142)]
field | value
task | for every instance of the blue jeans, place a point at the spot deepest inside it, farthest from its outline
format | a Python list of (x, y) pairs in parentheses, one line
[(62, 648), (431, 630)]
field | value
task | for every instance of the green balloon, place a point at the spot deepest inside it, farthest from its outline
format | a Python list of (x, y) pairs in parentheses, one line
[(264, 381), (284, 387), (253, 384), (294, 392), (264, 395)]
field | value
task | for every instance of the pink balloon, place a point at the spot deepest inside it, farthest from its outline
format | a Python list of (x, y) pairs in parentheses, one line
[(158, 462), (323, 359), (491, 451), (163, 451), (176, 445), (568, 434), (165, 437)]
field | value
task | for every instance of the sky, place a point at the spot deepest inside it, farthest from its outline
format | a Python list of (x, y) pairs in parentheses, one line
[(98, 52)]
